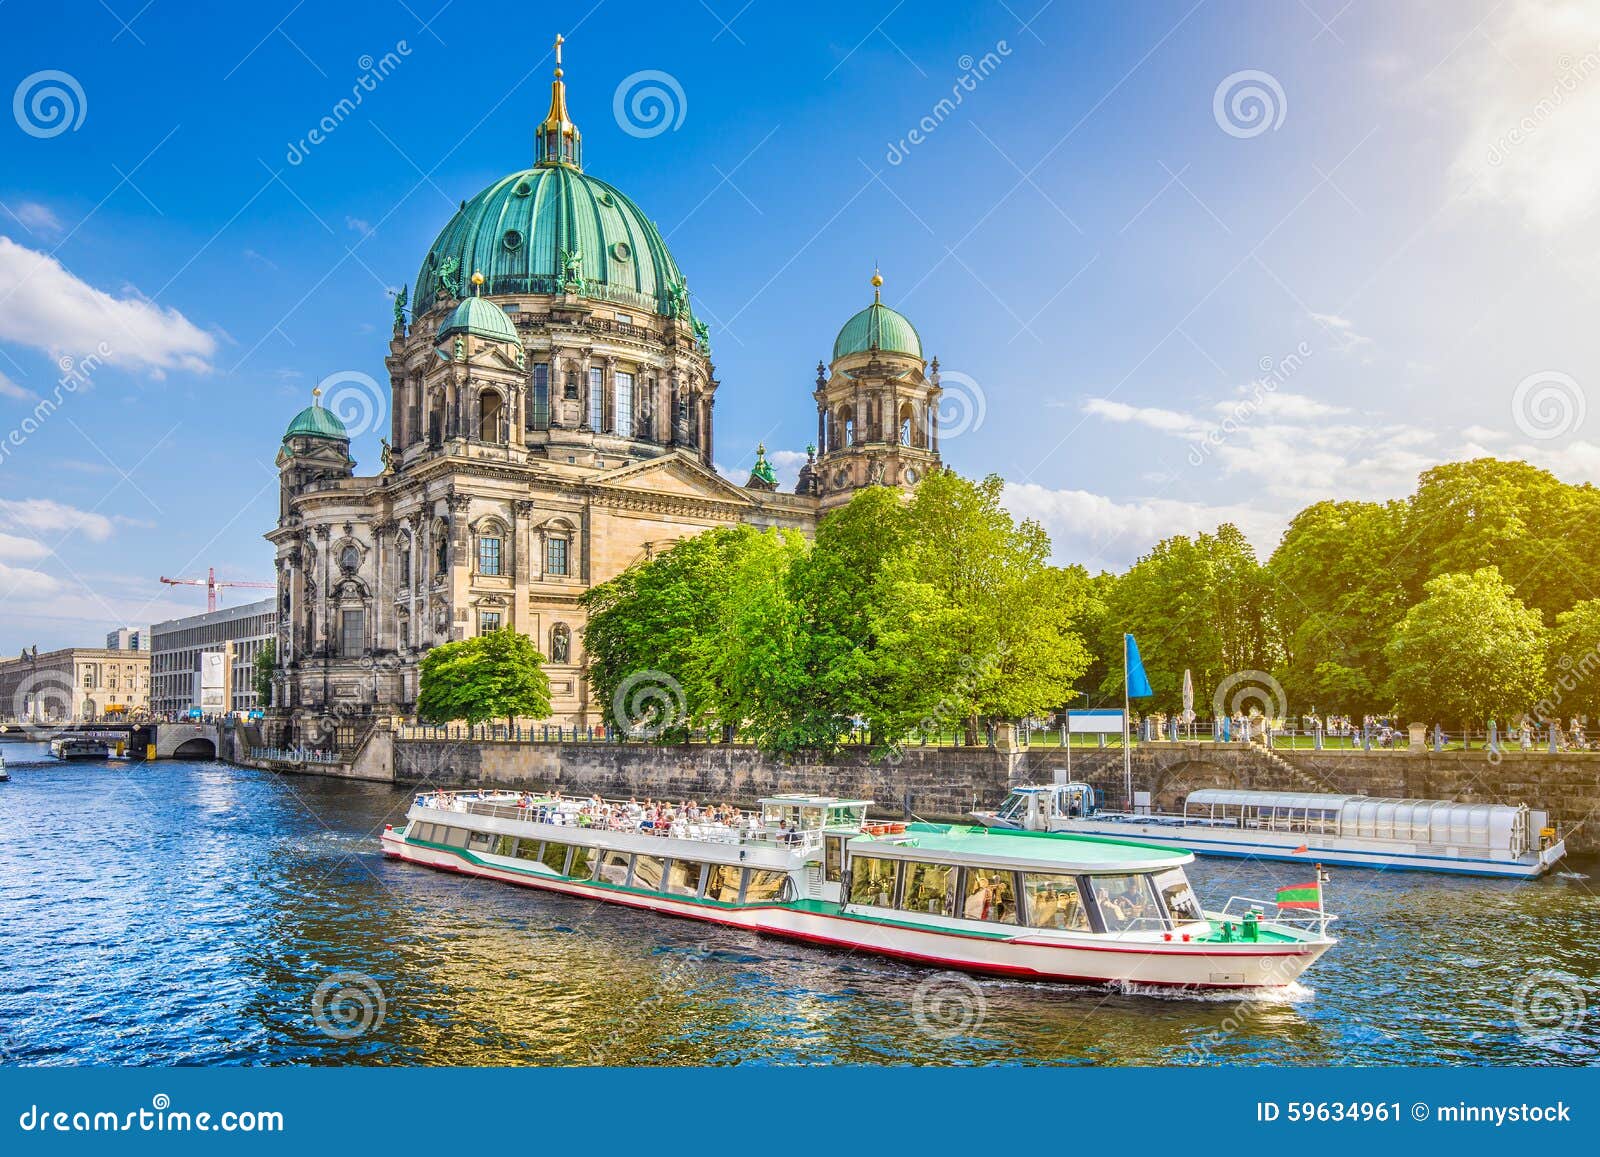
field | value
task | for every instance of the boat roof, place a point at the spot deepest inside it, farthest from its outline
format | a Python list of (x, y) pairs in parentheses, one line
[(800, 799), (1043, 851), (1207, 796)]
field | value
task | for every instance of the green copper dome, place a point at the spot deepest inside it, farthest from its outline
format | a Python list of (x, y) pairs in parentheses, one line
[(877, 328), (316, 422), (481, 318), (548, 227)]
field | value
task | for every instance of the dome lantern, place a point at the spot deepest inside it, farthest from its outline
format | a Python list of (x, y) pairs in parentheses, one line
[(877, 329), (558, 141), (316, 422)]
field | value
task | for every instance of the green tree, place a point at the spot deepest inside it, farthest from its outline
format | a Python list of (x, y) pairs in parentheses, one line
[(1470, 651), (1201, 604), (1338, 584), (266, 663), (1572, 672), (498, 675)]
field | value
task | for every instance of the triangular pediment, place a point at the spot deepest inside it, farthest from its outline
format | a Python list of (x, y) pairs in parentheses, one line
[(679, 475)]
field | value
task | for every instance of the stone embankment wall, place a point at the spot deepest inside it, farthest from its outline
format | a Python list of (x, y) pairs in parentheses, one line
[(946, 783)]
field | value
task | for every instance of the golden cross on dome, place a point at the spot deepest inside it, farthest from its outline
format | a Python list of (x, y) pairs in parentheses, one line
[(560, 40)]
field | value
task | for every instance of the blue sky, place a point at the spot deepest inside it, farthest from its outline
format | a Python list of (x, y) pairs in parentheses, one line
[(1392, 225)]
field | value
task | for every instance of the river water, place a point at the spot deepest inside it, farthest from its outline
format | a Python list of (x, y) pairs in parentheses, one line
[(196, 913)]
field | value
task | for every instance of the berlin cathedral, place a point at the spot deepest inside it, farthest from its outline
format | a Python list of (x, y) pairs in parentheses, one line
[(552, 423)]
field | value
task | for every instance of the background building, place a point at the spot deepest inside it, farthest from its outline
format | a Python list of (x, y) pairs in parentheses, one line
[(128, 639), (551, 404), (74, 685), (176, 647)]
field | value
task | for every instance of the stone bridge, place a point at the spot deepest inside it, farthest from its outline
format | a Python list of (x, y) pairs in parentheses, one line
[(185, 740)]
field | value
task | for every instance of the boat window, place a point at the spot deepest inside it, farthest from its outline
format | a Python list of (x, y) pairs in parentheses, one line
[(991, 895), (723, 884), (1178, 896), (613, 868), (1054, 901), (1126, 903), (582, 862), (555, 857), (480, 841), (420, 832), (930, 888), (872, 881), (455, 837), (833, 856), (506, 846), (1015, 806), (647, 872), (527, 849), (762, 886), (683, 878)]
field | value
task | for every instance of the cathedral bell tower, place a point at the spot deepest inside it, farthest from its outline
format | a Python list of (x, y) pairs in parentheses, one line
[(877, 411)]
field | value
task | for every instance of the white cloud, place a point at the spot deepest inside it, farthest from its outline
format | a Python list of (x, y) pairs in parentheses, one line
[(10, 389), (1167, 421), (1530, 91), (44, 515), (44, 306), (361, 226), (1104, 533), (20, 582), (37, 218), (21, 549)]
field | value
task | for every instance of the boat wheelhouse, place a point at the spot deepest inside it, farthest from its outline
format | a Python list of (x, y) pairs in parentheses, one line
[(76, 748), (813, 868), (1349, 830)]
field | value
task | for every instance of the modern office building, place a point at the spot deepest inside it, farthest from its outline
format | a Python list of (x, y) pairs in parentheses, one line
[(128, 639), (176, 663)]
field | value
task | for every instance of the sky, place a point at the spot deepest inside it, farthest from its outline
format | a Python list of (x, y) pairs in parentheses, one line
[(1181, 263)]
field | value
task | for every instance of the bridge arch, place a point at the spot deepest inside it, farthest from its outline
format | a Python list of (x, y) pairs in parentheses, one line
[(196, 748)]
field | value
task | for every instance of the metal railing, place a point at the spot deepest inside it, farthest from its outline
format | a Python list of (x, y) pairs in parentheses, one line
[(295, 755), (620, 816)]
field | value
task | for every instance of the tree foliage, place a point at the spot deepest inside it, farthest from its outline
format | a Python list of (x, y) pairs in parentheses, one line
[(1468, 652), (266, 664), (498, 675)]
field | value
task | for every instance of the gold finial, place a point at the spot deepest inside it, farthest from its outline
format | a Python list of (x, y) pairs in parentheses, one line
[(560, 40), (557, 138), (316, 395), (477, 281), (877, 284), (761, 449)]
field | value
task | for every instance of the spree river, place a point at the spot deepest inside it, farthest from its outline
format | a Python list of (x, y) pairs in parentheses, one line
[(196, 913)]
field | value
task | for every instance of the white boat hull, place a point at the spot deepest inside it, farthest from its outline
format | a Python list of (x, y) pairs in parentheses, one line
[(1031, 954), (1233, 842)]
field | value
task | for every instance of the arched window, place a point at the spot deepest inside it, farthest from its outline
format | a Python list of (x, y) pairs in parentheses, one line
[(491, 415), (908, 420), (847, 425), (622, 417), (402, 548), (441, 548), (491, 550), (436, 420), (560, 644)]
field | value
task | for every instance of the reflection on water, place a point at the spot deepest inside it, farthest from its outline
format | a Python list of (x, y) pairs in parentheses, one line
[(197, 913)]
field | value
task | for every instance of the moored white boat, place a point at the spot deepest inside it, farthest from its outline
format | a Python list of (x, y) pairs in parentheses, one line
[(1031, 905), (1343, 830)]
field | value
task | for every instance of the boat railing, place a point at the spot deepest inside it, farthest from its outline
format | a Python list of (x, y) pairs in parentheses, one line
[(616, 817), (1307, 916)]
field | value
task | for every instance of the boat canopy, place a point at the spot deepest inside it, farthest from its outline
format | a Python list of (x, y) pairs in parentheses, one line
[(1501, 827), (1035, 851)]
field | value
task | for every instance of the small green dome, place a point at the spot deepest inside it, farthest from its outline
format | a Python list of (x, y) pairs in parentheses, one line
[(316, 422), (480, 318), (877, 328)]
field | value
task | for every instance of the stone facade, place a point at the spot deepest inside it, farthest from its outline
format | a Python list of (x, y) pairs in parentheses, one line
[(74, 685)]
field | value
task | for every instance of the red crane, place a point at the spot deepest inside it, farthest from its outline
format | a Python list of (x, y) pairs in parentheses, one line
[(212, 585)]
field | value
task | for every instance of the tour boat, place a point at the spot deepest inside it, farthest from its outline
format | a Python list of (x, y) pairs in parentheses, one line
[(75, 748), (812, 868), (4, 774), (1350, 830)]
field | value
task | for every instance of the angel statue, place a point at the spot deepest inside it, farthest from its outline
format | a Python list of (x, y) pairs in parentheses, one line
[(388, 456), (702, 335), (446, 273), (678, 298), (572, 263), (400, 300)]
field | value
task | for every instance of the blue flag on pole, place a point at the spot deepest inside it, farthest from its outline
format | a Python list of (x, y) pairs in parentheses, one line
[(1138, 681)]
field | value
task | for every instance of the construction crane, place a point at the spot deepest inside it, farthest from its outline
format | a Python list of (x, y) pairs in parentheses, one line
[(212, 585)]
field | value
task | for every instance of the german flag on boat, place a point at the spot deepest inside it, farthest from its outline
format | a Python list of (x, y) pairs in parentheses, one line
[(1301, 895)]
